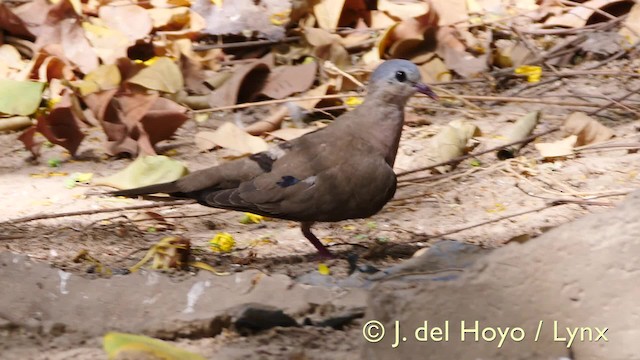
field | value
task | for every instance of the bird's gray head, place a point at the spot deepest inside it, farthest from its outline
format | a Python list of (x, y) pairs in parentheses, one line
[(397, 80)]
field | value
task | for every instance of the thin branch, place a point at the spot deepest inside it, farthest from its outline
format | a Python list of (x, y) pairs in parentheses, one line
[(94, 211), (525, 212)]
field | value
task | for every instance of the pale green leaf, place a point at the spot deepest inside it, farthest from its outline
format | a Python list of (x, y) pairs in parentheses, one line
[(20, 97), (147, 170), (139, 346), (163, 75)]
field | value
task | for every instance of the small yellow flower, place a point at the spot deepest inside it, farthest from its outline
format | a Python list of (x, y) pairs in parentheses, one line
[(222, 242), (250, 218), (353, 101), (533, 72), (323, 269)]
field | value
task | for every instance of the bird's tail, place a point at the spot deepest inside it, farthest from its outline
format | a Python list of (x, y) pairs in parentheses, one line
[(165, 188)]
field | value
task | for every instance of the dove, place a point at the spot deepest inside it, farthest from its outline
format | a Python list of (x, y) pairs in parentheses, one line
[(340, 172)]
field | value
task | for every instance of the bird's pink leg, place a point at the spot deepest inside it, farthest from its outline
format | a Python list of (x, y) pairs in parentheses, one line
[(322, 250)]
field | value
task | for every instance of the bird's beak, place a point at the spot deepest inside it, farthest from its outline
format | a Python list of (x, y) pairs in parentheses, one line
[(424, 89)]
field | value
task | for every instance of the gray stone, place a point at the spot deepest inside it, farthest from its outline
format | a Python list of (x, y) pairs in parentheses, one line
[(583, 275)]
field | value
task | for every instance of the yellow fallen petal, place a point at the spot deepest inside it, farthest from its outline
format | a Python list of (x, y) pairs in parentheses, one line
[(323, 269), (534, 73), (250, 218), (353, 101), (222, 242)]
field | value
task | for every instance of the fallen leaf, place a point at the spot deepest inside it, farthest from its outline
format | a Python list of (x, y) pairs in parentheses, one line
[(327, 46), (109, 44), (132, 20), (268, 123), (61, 126), (230, 136), (522, 128), (407, 39), (559, 148), (631, 27), (105, 77), (286, 80), (451, 12), (451, 142), (288, 134), (435, 70), (241, 16), (163, 75), (145, 170), (20, 97), (579, 15), (403, 10), (13, 23), (28, 138), (455, 55), (320, 90), (244, 84), (328, 13), (15, 123), (511, 53), (587, 129)]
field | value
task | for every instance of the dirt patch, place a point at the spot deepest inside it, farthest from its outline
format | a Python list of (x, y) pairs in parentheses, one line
[(473, 195)]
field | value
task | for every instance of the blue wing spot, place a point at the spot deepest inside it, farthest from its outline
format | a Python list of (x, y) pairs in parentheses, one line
[(288, 181)]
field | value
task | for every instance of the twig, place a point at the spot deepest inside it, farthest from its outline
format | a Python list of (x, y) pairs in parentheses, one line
[(547, 206), (403, 274), (95, 211), (467, 156), (614, 102), (599, 11)]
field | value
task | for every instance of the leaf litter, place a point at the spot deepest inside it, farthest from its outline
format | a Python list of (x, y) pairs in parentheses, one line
[(126, 85)]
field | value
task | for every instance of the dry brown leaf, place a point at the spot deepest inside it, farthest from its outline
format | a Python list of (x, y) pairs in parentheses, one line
[(579, 16), (435, 70), (587, 129), (15, 123), (451, 11), (328, 13), (286, 80), (241, 16), (13, 23), (288, 134), (132, 20), (321, 90), (406, 39), (61, 126), (169, 18), (510, 53), (522, 128), (61, 34), (245, 83), (556, 149), (327, 46), (451, 142), (403, 10), (230, 136), (109, 44), (28, 138), (631, 27), (455, 55), (270, 123)]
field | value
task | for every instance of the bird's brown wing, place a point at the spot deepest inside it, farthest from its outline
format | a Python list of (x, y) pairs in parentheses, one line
[(314, 183)]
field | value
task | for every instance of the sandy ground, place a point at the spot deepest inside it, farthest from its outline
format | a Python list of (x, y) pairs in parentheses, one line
[(473, 195)]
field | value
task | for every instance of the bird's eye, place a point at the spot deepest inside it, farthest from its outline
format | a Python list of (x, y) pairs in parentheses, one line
[(401, 76)]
